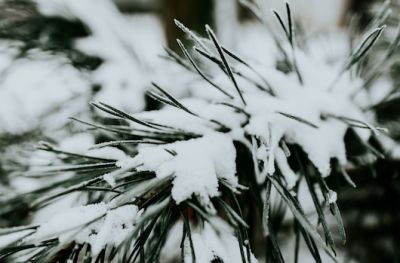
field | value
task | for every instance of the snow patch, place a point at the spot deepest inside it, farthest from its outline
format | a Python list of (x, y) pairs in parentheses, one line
[(296, 114), (332, 197), (196, 164), (9, 239), (210, 244), (180, 119), (48, 82), (96, 224), (70, 220), (110, 179)]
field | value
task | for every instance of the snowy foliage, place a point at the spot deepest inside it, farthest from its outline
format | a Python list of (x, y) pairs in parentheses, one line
[(255, 128), (196, 172), (47, 83), (129, 63)]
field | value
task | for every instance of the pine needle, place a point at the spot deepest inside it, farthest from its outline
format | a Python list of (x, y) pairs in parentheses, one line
[(211, 34), (201, 73)]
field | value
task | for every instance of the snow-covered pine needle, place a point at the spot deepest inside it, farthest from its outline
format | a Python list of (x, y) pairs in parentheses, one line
[(364, 47), (290, 36), (298, 119), (179, 167), (175, 57), (201, 73), (228, 69), (174, 101), (119, 113), (360, 52), (192, 35), (240, 60), (123, 142)]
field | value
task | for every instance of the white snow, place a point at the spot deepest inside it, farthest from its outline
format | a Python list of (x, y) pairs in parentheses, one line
[(110, 179), (256, 45), (67, 202), (115, 228), (70, 220), (107, 152), (285, 169), (321, 144), (391, 147), (332, 197), (77, 143), (129, 52), (380, 90), (196, 167), (96, 224), (215, 240), (318, 97), (48, 82), (308, 102), (180, 119), (25, 185), (82, 142), (9, 239)]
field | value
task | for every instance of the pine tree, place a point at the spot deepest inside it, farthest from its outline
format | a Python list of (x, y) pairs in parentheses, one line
[(216, 176)]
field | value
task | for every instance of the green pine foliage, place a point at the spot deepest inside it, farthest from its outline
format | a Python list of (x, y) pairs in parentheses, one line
[(255, 209)]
